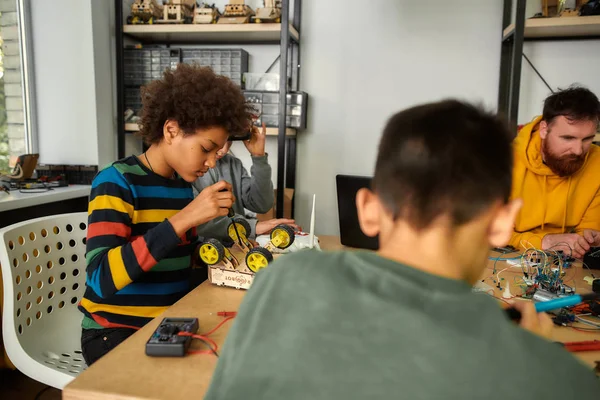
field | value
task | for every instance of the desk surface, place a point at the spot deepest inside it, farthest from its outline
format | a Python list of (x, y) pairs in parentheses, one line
[(127, 373), (16, 199)]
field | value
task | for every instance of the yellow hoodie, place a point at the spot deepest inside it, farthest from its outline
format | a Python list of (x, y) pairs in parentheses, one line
[(551, 204)]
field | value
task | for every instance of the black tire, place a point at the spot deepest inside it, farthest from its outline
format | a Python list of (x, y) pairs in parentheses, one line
[(218, 246), (243, 224), (129, 20), (290, 232), (188, 20), (261, 251)]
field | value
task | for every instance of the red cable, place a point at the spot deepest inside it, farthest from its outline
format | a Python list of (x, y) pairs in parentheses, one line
[(217, 327), (592, 331)]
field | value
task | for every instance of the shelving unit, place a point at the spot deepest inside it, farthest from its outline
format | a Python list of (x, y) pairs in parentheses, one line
[(521, 30), (212, 33), (132, 127), (562, 27), (288, 40)]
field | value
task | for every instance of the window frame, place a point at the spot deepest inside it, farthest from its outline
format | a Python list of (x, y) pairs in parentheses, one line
[(27, 75)]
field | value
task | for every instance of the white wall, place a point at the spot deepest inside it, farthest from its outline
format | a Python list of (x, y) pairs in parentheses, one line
[(72, 56), (365, 63)]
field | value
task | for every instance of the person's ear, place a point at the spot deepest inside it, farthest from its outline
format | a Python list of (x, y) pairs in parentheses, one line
[(503, 223), (170, 130), (367, 206), (543, 130)]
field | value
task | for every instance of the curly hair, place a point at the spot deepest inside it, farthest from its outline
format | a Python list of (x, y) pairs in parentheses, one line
[(196, 98)]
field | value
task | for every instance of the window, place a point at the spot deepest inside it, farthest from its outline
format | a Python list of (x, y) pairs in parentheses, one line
[(16, 122)]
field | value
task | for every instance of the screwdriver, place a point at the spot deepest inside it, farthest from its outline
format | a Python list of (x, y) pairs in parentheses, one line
[(231, 215), (553, 304)]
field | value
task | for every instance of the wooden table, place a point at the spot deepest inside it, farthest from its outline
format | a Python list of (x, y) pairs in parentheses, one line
[(126, 373)]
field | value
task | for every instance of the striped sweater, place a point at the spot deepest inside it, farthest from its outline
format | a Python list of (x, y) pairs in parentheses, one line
[(136, 264)]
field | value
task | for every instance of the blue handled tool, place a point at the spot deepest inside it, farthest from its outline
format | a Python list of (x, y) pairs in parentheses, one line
[(553, 304)]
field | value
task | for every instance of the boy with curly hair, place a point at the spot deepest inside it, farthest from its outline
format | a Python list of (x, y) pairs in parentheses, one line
[(142, 212)]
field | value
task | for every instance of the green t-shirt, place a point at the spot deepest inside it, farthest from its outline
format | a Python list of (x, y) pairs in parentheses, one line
[(354, 325)]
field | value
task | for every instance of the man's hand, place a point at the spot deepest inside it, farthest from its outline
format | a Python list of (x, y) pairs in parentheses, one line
[(256, 143), (570, 243), (592, 237), (536, 323), (267, 226)]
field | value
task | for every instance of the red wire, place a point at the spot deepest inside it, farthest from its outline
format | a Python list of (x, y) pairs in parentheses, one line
[(592, 331), (213, 330), (199, 352), (204, 337)]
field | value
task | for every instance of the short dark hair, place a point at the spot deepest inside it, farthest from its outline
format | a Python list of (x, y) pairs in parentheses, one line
[(575, 103), (446, 158), (196, 98)]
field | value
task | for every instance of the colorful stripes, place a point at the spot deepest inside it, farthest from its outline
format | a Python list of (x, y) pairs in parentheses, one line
[(108, 229), (136, 264)]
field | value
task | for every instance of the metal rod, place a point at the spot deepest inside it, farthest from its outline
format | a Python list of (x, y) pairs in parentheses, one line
[(515, 73), (505, 61), (120, 79), (538, 73), (283, 63)]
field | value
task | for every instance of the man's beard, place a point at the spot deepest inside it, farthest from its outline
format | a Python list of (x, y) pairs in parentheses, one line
[(562, 166)]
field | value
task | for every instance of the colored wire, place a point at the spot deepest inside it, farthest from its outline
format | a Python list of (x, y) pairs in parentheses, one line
[(213, 347), (587, 322), (586, 330), (217, 327)]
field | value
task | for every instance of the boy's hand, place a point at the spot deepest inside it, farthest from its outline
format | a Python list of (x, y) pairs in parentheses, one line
[(256, 143), (537, 323), (571, 244), (264, 227), (212, 202)]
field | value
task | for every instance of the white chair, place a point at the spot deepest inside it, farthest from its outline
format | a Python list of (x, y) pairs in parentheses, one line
[(43, 270)]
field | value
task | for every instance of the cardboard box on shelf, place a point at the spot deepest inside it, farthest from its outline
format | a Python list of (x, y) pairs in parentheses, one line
[(288, 196)]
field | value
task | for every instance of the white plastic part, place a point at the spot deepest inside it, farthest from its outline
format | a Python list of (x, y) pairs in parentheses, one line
[(507, 294), (311, 237), (300, 242), (43, 272)]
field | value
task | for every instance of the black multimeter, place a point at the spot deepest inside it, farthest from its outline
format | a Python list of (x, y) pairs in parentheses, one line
[(166, 341)]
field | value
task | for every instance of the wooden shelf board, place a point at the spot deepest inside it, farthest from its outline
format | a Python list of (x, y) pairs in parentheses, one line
[(559, 27), (211, 33), (129, 127)]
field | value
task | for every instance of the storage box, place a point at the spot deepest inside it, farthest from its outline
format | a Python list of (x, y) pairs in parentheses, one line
[(288, 198), (266, 82)]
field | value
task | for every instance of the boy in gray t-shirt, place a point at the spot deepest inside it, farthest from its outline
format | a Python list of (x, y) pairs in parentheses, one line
[(253, 192)]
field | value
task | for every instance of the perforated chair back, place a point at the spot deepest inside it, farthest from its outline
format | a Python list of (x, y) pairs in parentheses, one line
[(43, 272)]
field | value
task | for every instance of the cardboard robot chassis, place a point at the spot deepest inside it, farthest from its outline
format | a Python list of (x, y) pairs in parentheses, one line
[(235, 266)]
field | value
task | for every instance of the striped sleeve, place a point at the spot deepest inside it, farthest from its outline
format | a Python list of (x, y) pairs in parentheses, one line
[(113, 259)]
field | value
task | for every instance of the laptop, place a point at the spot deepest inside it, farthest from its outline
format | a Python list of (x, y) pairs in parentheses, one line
[(350, 233)]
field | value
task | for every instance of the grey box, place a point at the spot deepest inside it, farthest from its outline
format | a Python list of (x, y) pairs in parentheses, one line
[(270, 98), (270, 120), (270, 109)]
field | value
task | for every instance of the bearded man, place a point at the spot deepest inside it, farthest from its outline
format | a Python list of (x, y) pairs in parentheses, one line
[(557, 174)]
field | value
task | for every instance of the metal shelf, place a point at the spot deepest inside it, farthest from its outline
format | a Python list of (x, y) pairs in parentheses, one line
[(558, 27), (131, 127), (285, 35), (209, 33)]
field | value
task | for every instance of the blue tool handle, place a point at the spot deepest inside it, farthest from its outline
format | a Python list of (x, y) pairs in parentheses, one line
[(558, 303)]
